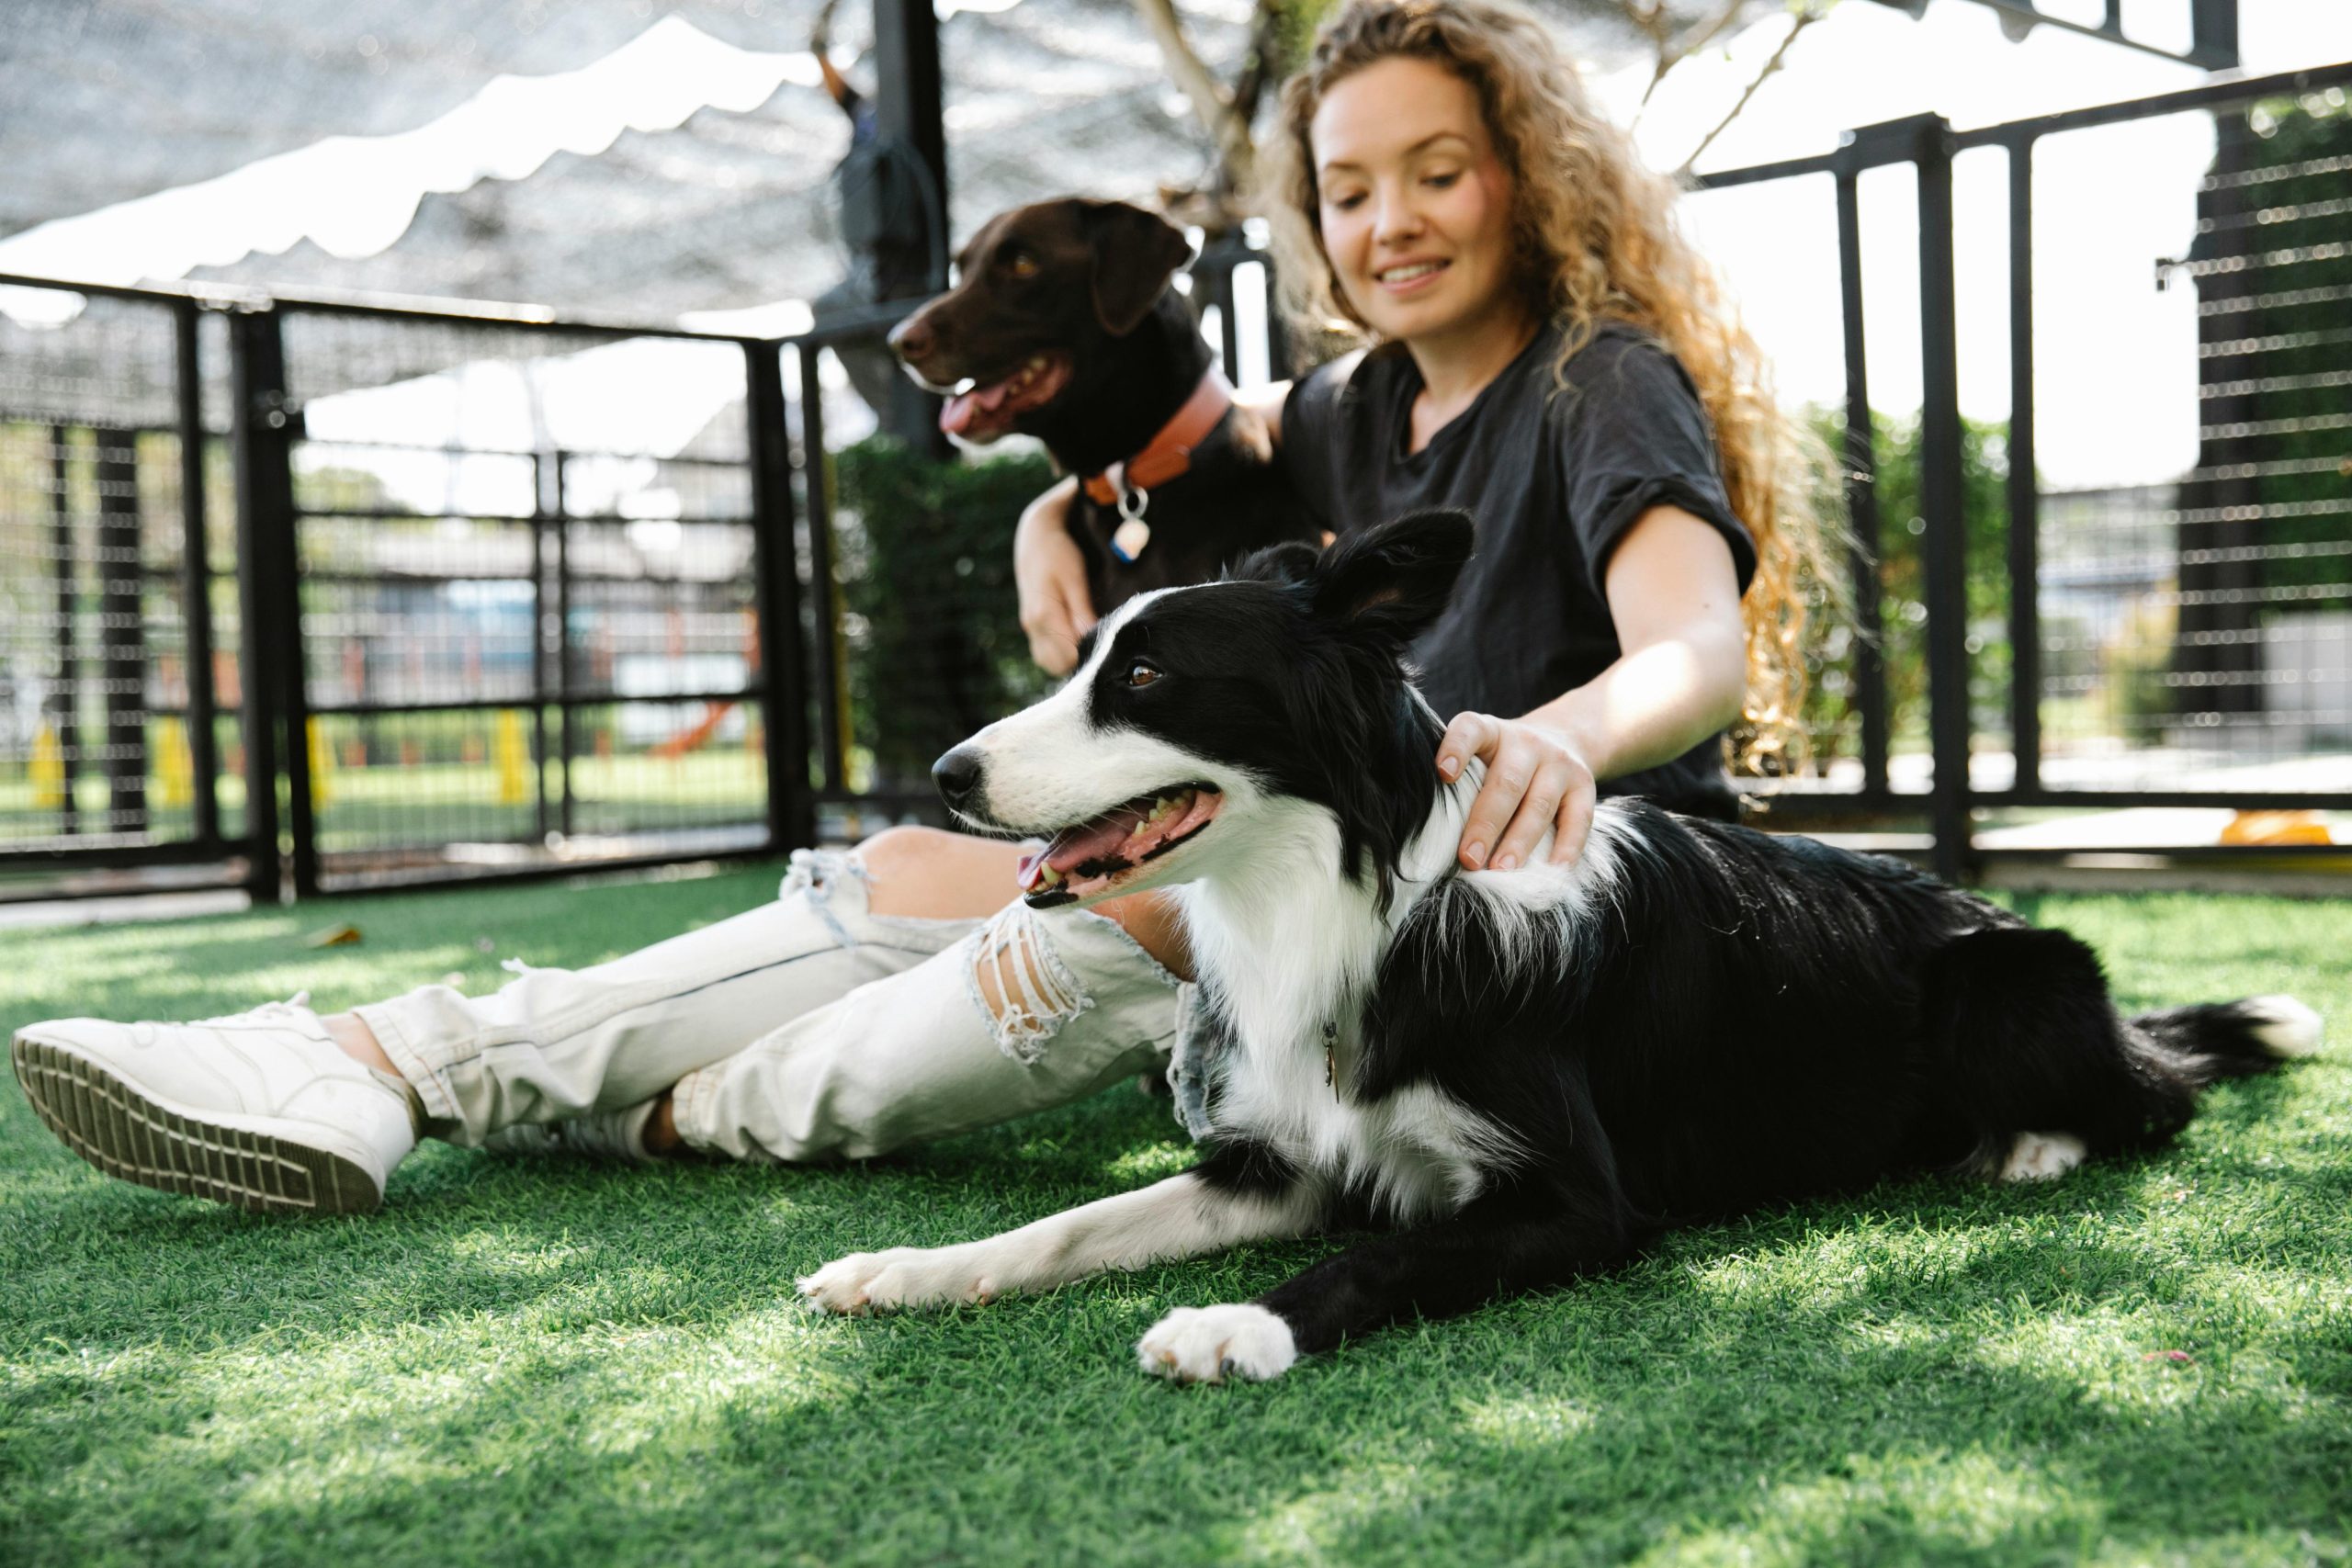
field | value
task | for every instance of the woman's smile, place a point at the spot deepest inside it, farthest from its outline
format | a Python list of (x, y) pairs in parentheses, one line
[(1411, 276)]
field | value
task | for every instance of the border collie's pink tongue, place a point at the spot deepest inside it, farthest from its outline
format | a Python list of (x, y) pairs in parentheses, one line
[(1096, 851)]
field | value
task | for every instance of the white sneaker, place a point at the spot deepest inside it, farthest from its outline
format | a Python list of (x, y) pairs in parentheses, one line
[(601, 1134), (261, 1109)]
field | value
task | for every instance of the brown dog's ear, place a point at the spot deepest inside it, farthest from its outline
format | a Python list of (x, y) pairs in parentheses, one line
[(1135, 252)]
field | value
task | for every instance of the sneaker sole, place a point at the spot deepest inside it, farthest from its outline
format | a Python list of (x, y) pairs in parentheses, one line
[(127, 1134)]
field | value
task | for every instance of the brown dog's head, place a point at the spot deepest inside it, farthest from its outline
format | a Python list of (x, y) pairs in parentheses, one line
[(1037, 287)]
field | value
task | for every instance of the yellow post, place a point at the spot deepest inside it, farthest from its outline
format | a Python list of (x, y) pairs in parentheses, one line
[(48, 769), (175, 765), (513, 760), (322, 766)]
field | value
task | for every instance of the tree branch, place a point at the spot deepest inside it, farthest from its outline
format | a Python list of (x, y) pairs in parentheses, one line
[(1805, 18), (1210, 103), (1672, 50)]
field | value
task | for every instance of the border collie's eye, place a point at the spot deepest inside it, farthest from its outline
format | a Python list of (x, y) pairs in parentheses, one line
[(1140, 672)]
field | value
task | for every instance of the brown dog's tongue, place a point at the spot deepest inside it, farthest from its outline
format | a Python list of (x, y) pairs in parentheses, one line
[(955, 414)]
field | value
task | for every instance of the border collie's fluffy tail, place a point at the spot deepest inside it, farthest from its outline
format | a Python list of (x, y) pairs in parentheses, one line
[(2234, 1039)]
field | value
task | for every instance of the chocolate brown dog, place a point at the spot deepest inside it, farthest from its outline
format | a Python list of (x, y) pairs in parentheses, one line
[(1063, 325)]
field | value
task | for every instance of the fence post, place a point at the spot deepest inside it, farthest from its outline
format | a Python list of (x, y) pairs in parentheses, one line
[(1944, 549), (123, 622), (195, 578), (264, 539), (1860, 460), (776, 569), (2024, 489), (566, 734), (824, 611), (539, 646), (67, 700)]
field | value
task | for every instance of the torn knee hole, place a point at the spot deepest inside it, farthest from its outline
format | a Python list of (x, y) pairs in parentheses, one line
[(1020, 984)]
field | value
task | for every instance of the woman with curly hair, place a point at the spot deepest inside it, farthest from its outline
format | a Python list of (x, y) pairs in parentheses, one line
[(1541, 348)]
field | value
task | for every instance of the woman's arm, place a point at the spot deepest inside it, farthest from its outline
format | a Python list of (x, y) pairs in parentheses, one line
[(1048, 572), (1674, 593), (1057, 608), (1266, 402)]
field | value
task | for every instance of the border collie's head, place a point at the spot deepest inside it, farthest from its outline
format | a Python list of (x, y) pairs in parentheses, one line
[(1200, 720)]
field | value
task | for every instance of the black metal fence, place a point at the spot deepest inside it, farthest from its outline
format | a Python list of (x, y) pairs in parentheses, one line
[(326, 596), (119, 617), (320, 597), (2181, 643)]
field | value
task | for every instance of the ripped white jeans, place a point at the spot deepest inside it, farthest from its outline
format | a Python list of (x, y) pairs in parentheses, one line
[(806, 1028)]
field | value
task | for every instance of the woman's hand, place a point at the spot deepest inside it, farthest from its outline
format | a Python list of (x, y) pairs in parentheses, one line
[(1536, 779), (1055, 608)]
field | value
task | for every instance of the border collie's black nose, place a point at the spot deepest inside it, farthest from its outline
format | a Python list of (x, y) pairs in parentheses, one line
[(958, 774)]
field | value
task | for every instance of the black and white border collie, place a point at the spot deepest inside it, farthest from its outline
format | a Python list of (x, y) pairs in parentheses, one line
[(1516, 1076)]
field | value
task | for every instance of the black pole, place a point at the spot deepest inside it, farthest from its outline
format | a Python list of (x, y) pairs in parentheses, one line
[(539, 642), (908, 86), (2025, 490), (824, 667), (1860, 459), (566, 735), (2213, 34), (67, 703), (257, 416), (775, 568), (196, 580), (122, 628), (1944, 549)]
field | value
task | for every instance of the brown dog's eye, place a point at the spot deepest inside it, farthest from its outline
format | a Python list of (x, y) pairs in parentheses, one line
[(1022, 264), (1140, 672)]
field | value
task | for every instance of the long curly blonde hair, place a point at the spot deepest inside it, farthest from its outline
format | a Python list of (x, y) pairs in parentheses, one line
[(1596, 242)]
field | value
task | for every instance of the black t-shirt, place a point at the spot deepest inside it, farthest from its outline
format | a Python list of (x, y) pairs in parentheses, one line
[(1555, 476)]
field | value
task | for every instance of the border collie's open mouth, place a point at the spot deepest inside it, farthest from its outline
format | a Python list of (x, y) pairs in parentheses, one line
[(1092, 857), (983, 413)]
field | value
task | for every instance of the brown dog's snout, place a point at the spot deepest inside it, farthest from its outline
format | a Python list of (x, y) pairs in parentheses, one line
[(913, 339)]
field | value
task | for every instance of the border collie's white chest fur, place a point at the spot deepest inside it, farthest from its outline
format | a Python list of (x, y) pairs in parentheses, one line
[(1289, 950)]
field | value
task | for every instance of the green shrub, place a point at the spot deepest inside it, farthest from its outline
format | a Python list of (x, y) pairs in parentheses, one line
[(930, 641)]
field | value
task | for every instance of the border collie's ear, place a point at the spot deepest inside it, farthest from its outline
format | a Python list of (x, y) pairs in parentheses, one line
[(1135, 252), (1395, 579), (1291, 561)]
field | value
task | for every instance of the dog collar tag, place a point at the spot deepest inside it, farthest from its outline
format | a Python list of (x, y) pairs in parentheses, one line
[(1127, 541)]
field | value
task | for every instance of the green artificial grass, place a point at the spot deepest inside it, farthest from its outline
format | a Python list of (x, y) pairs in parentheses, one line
[(557, 1362)]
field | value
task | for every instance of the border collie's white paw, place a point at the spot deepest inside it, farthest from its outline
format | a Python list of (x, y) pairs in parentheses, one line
[(2284, 1027), (902, 1277), (1213, 1344), (2042, 1156)]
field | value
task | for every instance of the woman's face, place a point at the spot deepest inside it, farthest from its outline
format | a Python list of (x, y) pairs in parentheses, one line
[(1415, 203)]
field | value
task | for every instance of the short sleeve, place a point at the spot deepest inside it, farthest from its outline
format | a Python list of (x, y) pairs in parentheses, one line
[(1632, 435), (1310, 435)]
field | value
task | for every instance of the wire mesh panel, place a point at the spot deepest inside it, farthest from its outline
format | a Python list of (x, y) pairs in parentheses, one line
[(111, 674), (1776, 245), (2196, 530), (913, 624), (529, 633), (914, 618)]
